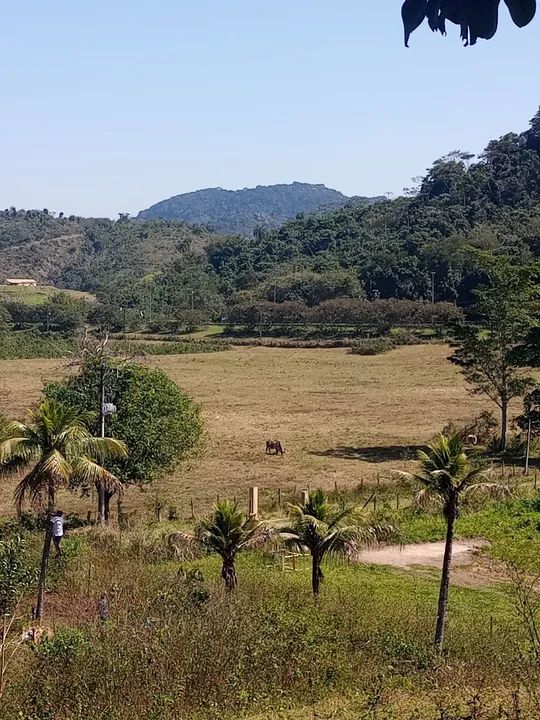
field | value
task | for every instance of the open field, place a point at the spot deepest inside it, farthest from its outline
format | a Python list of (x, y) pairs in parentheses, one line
[(341, 418), (38, 295)]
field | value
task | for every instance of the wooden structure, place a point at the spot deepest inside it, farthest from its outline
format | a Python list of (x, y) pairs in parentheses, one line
[(21, 282)]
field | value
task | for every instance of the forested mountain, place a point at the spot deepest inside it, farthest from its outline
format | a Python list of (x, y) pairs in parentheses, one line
[(412, 248), (241, 211)]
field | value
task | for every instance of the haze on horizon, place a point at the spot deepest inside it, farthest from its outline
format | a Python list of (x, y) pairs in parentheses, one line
[(113, 107)]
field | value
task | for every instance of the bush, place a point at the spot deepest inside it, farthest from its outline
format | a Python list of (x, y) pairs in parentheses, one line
[(183, 347), (67, 645), (16, 573), (377, 346), (484, 426), (29, 345)]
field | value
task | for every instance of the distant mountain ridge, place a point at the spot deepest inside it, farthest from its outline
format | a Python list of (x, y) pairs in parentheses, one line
[(241, 211)]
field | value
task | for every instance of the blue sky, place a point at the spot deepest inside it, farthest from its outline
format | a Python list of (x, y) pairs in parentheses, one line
[(111, 106)]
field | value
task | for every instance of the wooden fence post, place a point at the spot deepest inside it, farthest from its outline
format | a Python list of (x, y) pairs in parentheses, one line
[(254, 502), (305, 497), (279, 497)]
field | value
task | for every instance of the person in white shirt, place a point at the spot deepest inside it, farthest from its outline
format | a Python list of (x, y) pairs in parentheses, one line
[(57, 523)]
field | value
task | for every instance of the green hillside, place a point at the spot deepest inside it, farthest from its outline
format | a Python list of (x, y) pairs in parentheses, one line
[(89, 253), (38, 295)]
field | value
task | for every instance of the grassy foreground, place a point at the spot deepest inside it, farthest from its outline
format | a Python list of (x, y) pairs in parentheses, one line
[(178, 645)]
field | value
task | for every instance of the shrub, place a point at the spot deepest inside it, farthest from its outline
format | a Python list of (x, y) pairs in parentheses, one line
[(184, 347), (27, 345), (16, 573), (67, 645), (377, 346), (484, 426)]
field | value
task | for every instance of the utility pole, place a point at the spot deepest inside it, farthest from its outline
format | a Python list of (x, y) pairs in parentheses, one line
[(192, 300), (433, 288), (101, 488)]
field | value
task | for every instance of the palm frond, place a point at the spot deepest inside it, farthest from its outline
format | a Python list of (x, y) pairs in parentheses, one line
[(54, 465), (88, 472), (262, 537), (427, 499), (103, 449), (184, 545), (18, 448), (494, 491), (475, 476), (32, 487), (338, 518)]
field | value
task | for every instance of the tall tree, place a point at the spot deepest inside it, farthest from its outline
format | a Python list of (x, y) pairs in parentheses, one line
[(446, 475), (324, 530), (491, 356), (54, 449), (156, 420), (225, 532)]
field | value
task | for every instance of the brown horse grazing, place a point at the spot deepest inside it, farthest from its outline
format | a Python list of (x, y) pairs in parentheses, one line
[(274, 447)]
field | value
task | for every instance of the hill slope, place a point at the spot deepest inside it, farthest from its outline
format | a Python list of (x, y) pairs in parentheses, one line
[(241, 211), (88, 253)]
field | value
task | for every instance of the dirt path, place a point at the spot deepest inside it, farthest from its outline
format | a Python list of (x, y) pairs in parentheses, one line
[(470, 568), (425, 554)]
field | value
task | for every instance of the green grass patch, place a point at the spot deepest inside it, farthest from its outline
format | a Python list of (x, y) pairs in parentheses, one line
[(38, 295), (512, 528)]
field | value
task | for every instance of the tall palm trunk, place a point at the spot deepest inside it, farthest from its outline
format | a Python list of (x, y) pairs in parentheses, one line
[(451, 515), (45, 555), (228, 573), (316, 573)]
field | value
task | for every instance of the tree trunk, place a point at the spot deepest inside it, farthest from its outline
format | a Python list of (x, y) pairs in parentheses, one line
[(45, 557), (101, 504), (445, 576), (228, 573), (107, 495), (504, 425), (316, 574)]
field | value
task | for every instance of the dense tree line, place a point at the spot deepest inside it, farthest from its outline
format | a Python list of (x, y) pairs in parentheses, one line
[(413, 247), (164, 274), (378, 316)]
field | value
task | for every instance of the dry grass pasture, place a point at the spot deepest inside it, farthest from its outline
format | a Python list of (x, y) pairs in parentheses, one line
[(342, 418)]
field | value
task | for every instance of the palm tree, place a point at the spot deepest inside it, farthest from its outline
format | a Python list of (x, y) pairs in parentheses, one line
[(446, 475), (319, 528), (225, 532), (54, 449)]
